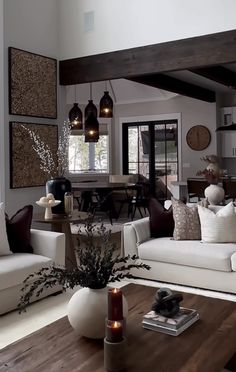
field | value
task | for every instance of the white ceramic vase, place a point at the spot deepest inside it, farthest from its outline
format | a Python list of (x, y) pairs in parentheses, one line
[(87, 312), (215, 194)]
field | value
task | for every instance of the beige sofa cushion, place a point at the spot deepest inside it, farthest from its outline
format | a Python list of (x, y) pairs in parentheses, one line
[(16, 267), (188, 252), (219, 227), (187, 223), (233, 261)]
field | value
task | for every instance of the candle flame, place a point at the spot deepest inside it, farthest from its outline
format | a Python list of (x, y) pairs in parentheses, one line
[(116, 324)]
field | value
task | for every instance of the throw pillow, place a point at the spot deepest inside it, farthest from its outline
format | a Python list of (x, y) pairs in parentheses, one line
[(18, 230), (204, 203), (4, 245), (187, 223), (219, 227), (161, 220)]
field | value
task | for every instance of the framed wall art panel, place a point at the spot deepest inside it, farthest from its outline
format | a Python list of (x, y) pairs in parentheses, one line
[(32, 84), (24, 162)]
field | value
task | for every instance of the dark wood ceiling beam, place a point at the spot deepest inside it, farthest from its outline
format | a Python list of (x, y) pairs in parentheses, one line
[(218, 74), (174, 85), (202, 51)]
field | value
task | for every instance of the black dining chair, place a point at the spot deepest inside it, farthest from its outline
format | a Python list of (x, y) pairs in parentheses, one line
[(140, 202), (125, 199), (229, 185), (196, 187), (136, 198), (102, 202)]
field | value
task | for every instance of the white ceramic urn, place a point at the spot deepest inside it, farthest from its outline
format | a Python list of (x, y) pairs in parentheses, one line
[(215, 194), (87, 312)]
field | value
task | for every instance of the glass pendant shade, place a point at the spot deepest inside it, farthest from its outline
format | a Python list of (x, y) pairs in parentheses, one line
[(91, 129), (106, 106), (76, 117), (90, 109)]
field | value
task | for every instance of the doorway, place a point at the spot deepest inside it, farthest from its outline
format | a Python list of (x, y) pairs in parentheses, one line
[(150, 149)]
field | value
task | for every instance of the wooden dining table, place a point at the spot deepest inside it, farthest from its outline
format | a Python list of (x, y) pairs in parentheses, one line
[(96, 185), (103, 189)]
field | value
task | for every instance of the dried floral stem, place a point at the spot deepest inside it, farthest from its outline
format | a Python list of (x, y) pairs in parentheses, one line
[(63, 149), (47, 163), (212, 172)]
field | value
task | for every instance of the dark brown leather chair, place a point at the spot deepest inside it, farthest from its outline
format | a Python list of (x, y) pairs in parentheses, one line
[(229, 185), (196, 187)]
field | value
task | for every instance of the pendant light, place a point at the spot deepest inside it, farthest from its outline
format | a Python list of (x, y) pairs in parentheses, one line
[(76, 116), (90, 108), (106, 105), (91, 125), (91, 129)]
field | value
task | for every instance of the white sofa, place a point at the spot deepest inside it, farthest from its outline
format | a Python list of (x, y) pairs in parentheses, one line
[(186, 262), (48, 247)]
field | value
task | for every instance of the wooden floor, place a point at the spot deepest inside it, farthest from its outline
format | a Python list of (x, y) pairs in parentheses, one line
[(204, 347)]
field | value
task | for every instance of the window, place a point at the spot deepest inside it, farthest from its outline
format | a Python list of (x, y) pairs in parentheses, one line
[(89, 157)]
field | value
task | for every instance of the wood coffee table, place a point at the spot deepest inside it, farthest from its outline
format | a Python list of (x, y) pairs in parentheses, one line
[(205, 347)]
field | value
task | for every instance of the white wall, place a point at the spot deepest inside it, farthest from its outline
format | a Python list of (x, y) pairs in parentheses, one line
[(2, 157), (122, 24), (31, 25), (192, 112)]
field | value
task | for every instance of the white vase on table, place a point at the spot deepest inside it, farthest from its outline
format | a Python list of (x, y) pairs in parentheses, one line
[(87, 311), (215, 194)]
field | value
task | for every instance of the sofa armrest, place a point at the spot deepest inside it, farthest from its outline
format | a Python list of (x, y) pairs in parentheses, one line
[(135, 233), (49, 244)]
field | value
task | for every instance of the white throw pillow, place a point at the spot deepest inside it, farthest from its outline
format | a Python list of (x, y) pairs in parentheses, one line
[(218, 227), (4, 245)]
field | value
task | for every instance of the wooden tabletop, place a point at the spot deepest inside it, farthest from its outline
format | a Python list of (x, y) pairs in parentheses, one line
[(205, 347), (101, 185), (61, 218)]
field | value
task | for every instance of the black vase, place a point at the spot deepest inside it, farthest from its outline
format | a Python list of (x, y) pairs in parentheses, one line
[(58, 186)]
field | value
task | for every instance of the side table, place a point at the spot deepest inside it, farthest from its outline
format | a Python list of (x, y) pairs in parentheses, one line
[(61, 223)]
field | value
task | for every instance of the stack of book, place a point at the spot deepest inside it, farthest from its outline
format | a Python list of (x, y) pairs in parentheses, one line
[(171, 326)]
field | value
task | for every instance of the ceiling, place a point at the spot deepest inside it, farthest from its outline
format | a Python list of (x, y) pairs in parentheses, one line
[(124, 92), (198, 67), (204, 82), (201, 84)]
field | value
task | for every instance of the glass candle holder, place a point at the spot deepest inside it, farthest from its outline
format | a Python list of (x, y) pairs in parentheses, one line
[(114, 331), (68, 203)]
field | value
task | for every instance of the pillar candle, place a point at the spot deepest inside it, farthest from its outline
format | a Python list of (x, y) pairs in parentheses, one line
[(115, 305), (114, 331)]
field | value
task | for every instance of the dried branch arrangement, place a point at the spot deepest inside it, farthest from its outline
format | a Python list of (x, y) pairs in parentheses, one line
[(48, 165), (97, 266)]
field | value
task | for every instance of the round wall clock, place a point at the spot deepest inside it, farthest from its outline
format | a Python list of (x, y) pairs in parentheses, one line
[(198, 137)]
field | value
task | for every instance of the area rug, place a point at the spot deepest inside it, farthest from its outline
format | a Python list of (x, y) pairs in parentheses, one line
[(15, 326)]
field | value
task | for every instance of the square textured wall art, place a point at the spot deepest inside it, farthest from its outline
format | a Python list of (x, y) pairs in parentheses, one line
[(24, 162), (32, 84)]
